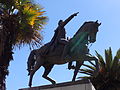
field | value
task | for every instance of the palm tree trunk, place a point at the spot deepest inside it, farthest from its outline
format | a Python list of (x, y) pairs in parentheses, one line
[(5, 59), (2, 78), (6, 39)]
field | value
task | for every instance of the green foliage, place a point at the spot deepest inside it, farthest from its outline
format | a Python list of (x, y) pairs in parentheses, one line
[(108, 73), (27, 19)]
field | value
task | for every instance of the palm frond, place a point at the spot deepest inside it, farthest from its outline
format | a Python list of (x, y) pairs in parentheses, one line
[(108, 58), (87, 70), (87, 73), (118, 54), (84, 77), (28, 21), (91, 67), (31, 22), (101, 60), (115, 65)]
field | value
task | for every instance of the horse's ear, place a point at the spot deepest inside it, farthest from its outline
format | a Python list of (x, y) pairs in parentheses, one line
[(96, 21), (99, 24)]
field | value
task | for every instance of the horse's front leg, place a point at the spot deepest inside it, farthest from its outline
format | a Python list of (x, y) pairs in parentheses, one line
[(78, 65)]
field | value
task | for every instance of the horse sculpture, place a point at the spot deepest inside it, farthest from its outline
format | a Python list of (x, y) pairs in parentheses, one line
[(75, 50)]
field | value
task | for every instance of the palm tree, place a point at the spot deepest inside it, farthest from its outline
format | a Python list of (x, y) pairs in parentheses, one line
[(108, 75), (21, 22)]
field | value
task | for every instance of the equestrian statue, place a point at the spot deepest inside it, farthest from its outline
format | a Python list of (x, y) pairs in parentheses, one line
[(62, 50)]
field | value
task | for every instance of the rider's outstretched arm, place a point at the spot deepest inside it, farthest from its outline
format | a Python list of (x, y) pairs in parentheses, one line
[(69, 18)]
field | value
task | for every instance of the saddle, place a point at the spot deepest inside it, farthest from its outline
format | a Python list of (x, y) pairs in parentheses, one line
[(51, 50)]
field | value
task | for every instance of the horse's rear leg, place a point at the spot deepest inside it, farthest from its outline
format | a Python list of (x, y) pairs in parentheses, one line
[(48, 68), (78, 65), (38, 64)]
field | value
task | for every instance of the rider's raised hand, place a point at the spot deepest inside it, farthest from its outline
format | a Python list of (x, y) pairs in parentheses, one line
[(75, 14)]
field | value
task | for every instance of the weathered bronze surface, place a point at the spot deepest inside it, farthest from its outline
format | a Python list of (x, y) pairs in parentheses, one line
[(60, 50)]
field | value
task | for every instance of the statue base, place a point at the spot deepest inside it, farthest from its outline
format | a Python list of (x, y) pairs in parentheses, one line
[(77, 85)]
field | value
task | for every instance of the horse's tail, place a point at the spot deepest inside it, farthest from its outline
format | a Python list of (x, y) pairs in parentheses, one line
[(31, 61)]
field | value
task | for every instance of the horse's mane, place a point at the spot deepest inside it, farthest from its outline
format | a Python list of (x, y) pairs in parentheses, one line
[(80, 29), (83, 27)]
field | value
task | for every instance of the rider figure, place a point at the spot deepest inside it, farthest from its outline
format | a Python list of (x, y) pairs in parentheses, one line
[(60, 34)]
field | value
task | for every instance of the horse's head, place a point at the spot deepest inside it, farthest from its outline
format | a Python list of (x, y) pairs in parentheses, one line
[(92, 29)]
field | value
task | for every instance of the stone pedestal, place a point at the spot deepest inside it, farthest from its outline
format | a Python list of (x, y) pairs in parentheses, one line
[(78, 85)]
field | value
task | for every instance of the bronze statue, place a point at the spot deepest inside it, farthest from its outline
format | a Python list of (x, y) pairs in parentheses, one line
[(59, 38), (74, 50)]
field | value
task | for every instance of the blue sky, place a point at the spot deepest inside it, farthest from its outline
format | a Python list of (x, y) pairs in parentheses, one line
[(106, 11)]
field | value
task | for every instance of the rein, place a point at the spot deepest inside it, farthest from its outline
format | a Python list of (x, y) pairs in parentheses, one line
[(89, 45)]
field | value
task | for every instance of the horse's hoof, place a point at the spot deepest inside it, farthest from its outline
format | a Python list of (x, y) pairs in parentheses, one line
[(53, 82), (30, 85), (73, 80)]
